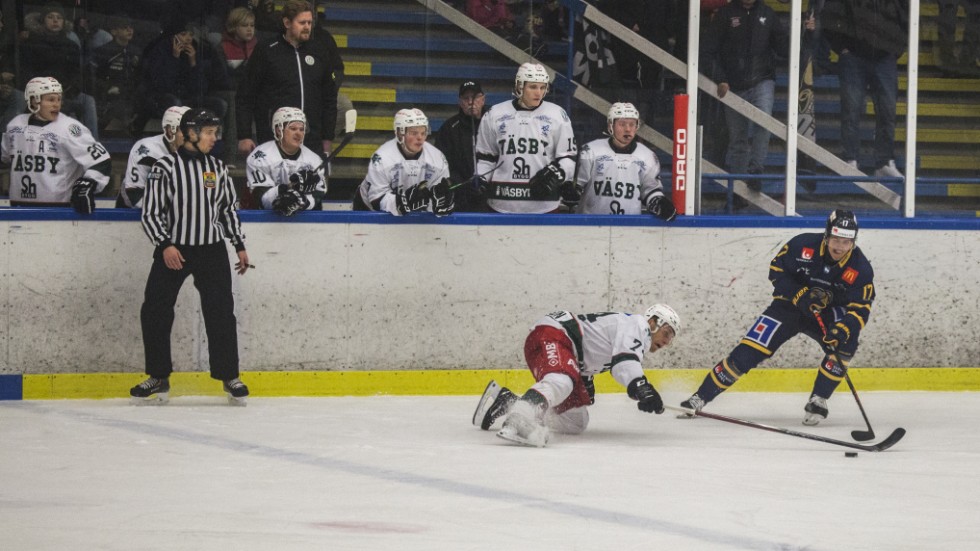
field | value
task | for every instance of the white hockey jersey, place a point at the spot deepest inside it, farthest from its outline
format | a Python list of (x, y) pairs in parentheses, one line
[(142, 156), (46, 160), (605, 341), (513, 144), (617, 182), (389, 171), (267, 168)]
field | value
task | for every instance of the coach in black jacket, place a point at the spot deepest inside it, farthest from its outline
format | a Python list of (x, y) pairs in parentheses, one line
[(456, 139), (300, 68)]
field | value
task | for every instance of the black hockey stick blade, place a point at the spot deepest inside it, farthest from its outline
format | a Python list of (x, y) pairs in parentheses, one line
[(892, 439)]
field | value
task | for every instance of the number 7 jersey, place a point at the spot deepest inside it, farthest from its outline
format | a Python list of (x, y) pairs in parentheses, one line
[(47, 158)]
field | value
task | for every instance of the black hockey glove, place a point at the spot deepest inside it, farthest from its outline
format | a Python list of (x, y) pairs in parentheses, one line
[(662, 207), (570, 195), (443, 198), (289, 201), (590, 388), (83, 196), (647, 397), (413, 199), (544, 185), (304, 181), (836, 337), (812, 301)]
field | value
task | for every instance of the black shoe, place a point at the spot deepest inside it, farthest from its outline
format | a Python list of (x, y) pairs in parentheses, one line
[(237, 391), (151, 391)]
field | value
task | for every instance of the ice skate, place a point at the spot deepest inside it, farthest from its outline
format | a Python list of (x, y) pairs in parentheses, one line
[(151, 392), (237, 391), (694, 402), (816, 410), (523, 427), (493, 405)]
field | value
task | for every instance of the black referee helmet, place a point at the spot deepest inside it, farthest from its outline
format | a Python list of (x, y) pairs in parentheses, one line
[(197, 118)]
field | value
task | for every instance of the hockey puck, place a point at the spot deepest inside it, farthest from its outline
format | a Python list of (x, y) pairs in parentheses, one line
[(850, 454)]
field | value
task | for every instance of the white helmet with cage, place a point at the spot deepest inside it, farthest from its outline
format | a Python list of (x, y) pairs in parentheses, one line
[(37, 87), (621, 110), (529, 72), (665, 316), (409, 118), (171, 121), (283, 116)]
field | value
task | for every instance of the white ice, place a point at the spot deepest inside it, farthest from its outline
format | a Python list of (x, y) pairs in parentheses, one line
[(412, 473)]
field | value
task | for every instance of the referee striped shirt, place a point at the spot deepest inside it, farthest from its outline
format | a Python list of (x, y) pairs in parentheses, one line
[(190, 200)]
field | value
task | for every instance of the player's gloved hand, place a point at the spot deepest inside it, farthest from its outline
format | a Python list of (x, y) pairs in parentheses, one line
[(570, 195), (304, 181), (83, 195), (289, 201), (836, 337), (662, 207), (812, 300), (544, 185), (413, 199), (590, 388), (443, 198), (647, 397)]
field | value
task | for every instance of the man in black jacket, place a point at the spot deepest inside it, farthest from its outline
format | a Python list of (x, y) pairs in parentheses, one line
[(456, 139), (739, 48), (868, 36), (300, 68)]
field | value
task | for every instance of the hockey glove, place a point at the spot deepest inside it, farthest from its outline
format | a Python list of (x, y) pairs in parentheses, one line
[(647, 397), (544, 185), (570, 195), (413, 199), (443, 199), (812, 301), (590, 388), (661, 207), (289, 201), (83, 196), (304, 181), (836, 337)]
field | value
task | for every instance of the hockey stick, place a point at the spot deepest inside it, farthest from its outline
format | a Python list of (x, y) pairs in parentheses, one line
[(892, 439), (859, 435), (470, 180), (350, 125)]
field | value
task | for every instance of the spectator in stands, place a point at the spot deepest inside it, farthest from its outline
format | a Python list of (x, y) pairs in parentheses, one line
[(301, 67), (284, 175), (52, 49), (739, 48), (11, 100), (457, 141), (868, 39), (967, 61), (238, 41), (492, 14), (116, 73), (179, 69)]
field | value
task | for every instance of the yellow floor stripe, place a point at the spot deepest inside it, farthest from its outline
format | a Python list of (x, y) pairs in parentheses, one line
[(341, 40), (357, 68), (963, 190), (473, 381), (359, 151)]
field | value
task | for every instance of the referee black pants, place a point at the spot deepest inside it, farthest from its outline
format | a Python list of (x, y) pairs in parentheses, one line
[(212, 277)]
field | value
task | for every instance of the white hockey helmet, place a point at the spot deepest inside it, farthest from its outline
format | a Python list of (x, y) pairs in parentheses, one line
[(171, 120), (621, 110), (665, 316), (409, 118), (283, 116), (529, 72), (39, 86)]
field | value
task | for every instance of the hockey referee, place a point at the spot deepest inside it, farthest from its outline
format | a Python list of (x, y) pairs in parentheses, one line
[(188, 211)]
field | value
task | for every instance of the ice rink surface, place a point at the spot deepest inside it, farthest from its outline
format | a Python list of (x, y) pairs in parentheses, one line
[(412, 473)]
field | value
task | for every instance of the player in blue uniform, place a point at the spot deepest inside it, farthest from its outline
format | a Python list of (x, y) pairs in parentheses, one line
[(814, 275)]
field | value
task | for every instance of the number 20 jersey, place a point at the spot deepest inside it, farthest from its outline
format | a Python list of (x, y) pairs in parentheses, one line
[(46, 160)]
